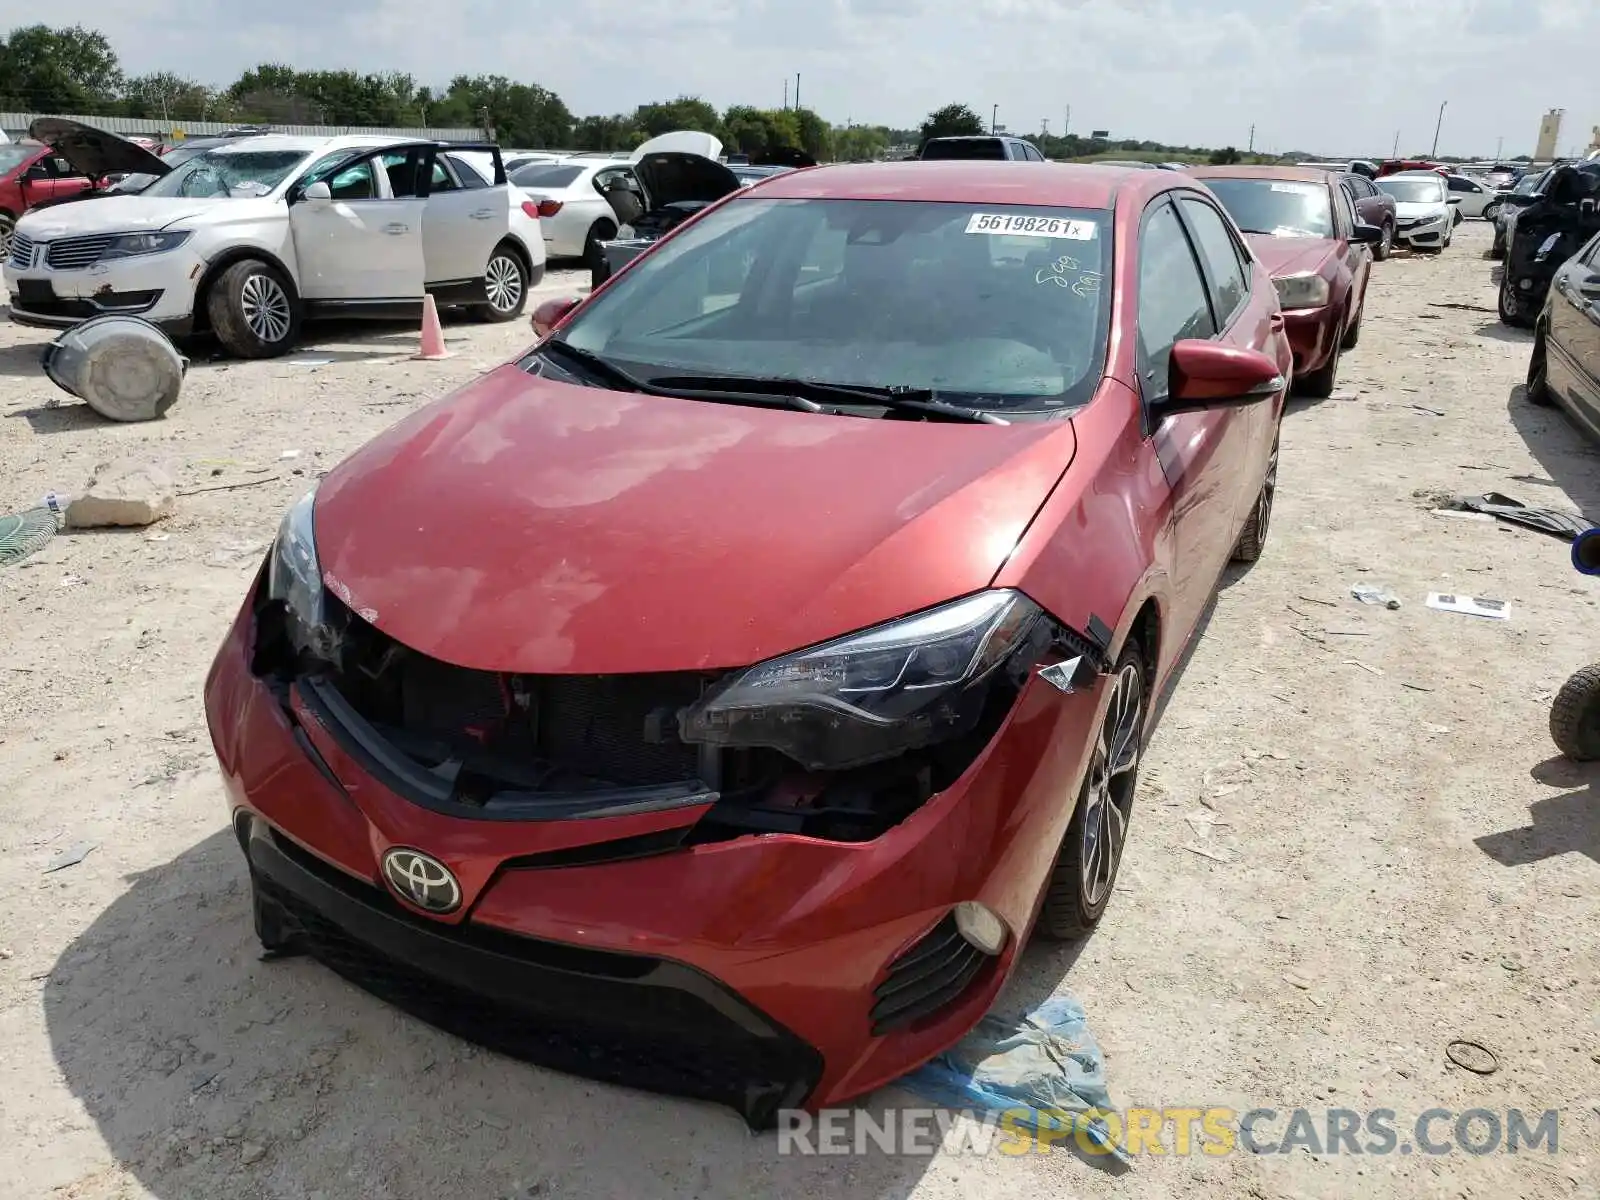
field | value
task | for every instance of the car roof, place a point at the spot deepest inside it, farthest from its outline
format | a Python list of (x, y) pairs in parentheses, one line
[(1415, 175), (305, 145), (1249, 171), (1065, 185)]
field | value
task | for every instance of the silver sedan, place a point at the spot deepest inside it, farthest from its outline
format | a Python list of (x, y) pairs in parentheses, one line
[(573, 214)]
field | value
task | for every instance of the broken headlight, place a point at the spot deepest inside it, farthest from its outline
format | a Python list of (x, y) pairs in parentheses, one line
[(878, 693), (294, 577)]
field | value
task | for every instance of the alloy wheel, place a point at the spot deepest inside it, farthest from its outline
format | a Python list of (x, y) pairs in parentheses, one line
[(503, 283), (1113, 773), (1269, 489), (6, 226), (1386, 244), (265, 306)]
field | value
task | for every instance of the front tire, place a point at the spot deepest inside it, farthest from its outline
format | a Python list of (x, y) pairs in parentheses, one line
[(1512, 311), (1253, 537), (1575, 716), (1385, 246), (254, 310), (505, 287), (1538, 389), (1085, 873)]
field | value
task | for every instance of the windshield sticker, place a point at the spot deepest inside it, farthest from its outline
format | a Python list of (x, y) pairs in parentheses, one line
[(1296, 189), (1050, 227), (1065, 272)]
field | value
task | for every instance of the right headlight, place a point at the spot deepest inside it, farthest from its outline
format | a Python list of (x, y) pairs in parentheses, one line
[(1302, 291), (294, 576), (875, 694)]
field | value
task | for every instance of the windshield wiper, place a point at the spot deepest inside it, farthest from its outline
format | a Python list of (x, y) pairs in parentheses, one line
[(716, 394), (902, 399)]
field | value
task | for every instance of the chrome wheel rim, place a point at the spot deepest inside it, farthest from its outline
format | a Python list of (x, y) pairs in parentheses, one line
[(503, 282), (1269, 489), (6, 226), (266, 308), (1113, 771), (1387, 243)]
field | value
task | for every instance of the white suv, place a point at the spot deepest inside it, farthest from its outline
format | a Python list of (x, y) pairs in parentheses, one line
[(247, 239)]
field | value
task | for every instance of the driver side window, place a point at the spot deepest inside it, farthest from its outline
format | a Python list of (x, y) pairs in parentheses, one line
[(1173, 305)]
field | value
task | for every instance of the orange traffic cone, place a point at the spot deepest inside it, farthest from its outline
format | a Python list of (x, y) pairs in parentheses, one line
[(432, 333)]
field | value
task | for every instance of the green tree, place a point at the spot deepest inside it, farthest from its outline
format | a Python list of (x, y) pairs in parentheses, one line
[(1225, 157), (167, 97), (686, 112), (271, 92), (953, 120), (522, 115), (815, 134), (860, 143), (71, 70), (617, 132)]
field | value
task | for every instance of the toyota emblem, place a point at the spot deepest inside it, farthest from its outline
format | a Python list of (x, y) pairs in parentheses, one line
[(422, 880)]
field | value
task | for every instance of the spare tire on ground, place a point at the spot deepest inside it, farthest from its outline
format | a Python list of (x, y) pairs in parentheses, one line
[(123, 367)]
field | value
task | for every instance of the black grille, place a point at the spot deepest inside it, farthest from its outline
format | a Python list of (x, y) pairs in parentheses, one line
[(73, 254), (926, 977), (21, 250), (621, 1018), (558, 733)]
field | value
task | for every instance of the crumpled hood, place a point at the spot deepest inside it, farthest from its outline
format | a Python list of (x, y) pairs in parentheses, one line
[(531, 526), (1290, 255), (93, 151), (127, 214)]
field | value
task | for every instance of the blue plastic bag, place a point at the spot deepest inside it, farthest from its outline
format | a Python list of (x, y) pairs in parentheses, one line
[(1045, 1069)]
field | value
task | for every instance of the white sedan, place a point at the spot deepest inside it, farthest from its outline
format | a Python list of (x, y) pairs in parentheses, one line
[(574, 216), (1472, 196)]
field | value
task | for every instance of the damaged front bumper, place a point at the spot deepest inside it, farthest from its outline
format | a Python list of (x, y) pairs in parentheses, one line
[(805, 970)]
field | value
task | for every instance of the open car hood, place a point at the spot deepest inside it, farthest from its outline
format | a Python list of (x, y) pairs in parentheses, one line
[(94, 151), (533, 526), (673, 178)]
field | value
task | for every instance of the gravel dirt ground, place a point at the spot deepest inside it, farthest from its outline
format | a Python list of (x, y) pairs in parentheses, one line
[(1393, 857)]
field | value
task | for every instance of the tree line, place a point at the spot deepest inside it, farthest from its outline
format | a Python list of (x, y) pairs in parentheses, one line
[(76, 70)]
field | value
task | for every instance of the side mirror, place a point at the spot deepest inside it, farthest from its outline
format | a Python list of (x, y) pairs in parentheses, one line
[(1366, 235), (1211, 375), (316, 191), (552, 312), (1453, 200)]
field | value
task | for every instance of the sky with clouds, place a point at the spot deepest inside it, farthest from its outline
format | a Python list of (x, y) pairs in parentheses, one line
[(1331, 78)]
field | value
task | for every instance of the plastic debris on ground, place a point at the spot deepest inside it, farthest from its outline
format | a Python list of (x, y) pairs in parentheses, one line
[(1044, 1069), (25, 533), (1472, 606), (1554, 521), (1373, 593)]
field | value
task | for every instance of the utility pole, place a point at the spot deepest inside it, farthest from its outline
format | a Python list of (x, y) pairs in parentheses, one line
[(1044, 128), (786, 92), (797, 91), (1395, 153), (1437, 127), (1066, 122), (1499, 146), (994, 120), (1252, 148)]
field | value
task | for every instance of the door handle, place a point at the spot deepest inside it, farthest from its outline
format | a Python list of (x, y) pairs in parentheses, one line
[(483, 214), (396, 227)]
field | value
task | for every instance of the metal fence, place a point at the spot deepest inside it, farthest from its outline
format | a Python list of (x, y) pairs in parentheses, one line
[(16, 126)]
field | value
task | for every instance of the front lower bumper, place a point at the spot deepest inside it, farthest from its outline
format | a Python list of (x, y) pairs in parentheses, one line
[(1313, 334), (624, 1018), (1426, 233)]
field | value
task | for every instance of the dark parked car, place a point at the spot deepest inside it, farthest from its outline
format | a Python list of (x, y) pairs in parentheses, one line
[(985, 147), (1504, 209), (1565, 367), (1374, 206), (1544, 235)]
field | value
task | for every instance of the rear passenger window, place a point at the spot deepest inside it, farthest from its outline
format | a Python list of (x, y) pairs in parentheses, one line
[(1228, 286), (1173, 305)]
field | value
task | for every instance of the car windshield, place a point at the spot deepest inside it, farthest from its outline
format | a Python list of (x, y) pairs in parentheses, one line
[(543, 175), (989, 307), (229, 172), (1414, 191), (12, 157), (1280, 207), (1529, 184)]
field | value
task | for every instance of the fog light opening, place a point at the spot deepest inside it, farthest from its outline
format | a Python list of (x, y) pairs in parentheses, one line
[(980, 927)]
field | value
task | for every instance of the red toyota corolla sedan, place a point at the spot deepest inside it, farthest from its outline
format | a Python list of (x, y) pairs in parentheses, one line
[(715, 698), (1301, 222)]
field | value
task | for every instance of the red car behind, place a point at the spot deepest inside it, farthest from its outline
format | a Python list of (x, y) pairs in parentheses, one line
[(1302, 224), (717, 697), (31, 175)]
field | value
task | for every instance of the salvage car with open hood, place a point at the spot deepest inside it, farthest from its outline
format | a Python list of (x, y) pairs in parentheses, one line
[(717, 697), (673, 177)]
